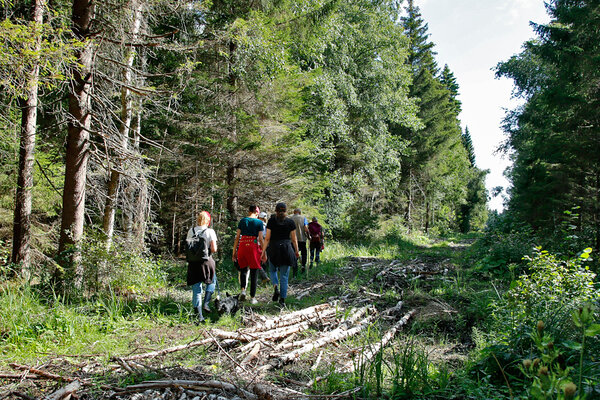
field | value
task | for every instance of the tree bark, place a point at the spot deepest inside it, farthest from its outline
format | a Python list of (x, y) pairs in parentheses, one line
[(71, 229), (23, 198), (231, 195)]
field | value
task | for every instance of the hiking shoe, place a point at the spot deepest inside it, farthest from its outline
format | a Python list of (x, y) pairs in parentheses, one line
[(282, 302), (242, 296), (275, 294), (253, 301)]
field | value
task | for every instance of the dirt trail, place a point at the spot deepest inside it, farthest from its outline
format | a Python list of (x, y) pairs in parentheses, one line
[(283, 355)]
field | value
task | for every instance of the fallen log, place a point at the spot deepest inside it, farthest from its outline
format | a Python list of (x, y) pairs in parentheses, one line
[(164, 351), (291, 318), (39, 372), (21, 376), (272, 335), (64, 393), (368, 355), (252, 355), (189, 384), (333, 336)]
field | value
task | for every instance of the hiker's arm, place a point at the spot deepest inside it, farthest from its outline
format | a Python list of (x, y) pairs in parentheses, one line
[(235, 244), (263, 257), (295, 241), (261, 239), (307, 231), (213, 246)]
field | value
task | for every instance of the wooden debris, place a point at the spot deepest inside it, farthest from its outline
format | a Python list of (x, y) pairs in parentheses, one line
[(164, 351), (208, 385), (329, 337), (65, 393), (368, 355), (44, 374)]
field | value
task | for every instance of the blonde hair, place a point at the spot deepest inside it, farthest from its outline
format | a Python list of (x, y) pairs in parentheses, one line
[(203, 218)]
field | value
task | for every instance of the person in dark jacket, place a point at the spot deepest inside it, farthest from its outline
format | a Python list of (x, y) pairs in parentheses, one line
[(203, 271), (316, 241), (281, 247)]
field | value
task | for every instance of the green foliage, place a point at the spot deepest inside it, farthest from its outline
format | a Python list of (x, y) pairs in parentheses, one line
[(550, 292), (500, 251), (550, 137), (118, 269), (18, 55)]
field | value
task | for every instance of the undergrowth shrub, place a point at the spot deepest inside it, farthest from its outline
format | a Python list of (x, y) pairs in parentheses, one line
[(120, 269), (552, 291)]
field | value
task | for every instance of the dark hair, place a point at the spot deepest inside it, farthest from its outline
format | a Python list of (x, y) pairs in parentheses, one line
[(253, 209), (280, 209)]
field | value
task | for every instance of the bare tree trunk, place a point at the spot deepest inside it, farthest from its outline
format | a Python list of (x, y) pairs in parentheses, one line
[(408, 213), (142, 202), (108, 222), (231, 195), (427, 212), (71, 229), (22, 215)]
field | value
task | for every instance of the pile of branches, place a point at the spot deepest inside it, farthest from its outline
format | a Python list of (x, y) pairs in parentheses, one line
[(399, 274), (250, 353)]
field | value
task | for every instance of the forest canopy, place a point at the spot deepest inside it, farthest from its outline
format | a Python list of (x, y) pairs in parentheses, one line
[(147, 112)]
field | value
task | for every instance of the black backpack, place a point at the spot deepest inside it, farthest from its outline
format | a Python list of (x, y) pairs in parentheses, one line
[(198, 246)]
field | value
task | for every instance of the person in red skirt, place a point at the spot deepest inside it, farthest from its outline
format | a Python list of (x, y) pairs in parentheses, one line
[(247, 251)]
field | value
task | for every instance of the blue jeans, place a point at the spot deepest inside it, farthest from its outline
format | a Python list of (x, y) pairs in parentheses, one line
[(284, 272), (312, 254), (197, 292)]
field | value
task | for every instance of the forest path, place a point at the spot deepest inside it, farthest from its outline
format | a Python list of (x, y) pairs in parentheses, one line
[(337, 321)]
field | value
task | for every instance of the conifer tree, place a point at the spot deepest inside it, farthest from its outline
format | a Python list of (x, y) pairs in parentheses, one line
[(554, 136)]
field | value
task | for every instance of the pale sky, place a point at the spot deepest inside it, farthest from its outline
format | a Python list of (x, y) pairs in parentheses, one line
[(472, 36)]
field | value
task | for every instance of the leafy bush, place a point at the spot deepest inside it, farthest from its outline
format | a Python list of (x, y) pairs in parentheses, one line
[(552, 292), (119, 268)]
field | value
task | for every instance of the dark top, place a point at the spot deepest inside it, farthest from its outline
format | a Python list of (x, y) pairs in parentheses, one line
[(281, 230), (201, 271), (315, 231), (280, 250), (250, 226)]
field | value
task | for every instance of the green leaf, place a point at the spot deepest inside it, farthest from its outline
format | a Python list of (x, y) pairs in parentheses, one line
[(569, 344), (593, 330)]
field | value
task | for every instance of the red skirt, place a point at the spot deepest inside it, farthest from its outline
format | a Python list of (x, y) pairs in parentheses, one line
[(249, 252)]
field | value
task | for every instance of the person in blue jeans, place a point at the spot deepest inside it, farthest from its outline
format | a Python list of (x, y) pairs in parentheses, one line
[(281, 247), (203, 271)]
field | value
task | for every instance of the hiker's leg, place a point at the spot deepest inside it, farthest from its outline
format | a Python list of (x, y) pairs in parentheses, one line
[(244, 277), (273, 273), (253, 281), (302, 248), (284, 272), (210, 289), (196, 295)]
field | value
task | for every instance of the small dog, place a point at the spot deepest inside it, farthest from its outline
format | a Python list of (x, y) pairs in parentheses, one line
[(229, 304)]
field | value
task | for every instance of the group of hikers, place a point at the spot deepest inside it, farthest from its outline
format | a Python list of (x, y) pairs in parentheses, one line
[(275, 245)]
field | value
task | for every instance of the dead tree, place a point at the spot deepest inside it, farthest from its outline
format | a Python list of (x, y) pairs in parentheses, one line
[(136, 8), (29, 108)]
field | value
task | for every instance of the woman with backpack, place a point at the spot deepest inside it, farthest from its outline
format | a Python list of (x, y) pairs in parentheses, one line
[(201, 243), (281, 246)]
